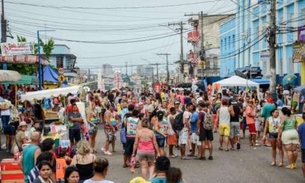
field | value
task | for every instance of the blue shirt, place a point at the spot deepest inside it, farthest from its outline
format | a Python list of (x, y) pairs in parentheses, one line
[(301, 131), (194, 119)]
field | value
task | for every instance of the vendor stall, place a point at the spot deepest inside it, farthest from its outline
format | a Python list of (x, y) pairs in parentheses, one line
[(299, 94)]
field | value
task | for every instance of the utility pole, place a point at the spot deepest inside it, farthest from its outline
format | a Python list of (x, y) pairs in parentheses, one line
[(180, 29), (126, 68), (167, 69), (272, 42), (3, 30), (202, 54)]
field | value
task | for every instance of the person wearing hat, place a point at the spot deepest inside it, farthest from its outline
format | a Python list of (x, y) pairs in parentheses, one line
[(21, 138)]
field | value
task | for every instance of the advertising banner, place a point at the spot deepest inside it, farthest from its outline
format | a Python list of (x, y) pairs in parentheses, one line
[(22, 48)]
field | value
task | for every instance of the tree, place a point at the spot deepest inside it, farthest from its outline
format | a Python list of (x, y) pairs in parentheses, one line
[(47, 48)]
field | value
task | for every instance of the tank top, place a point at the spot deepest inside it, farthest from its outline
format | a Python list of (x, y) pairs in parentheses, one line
[(146, 146), (274, 124), (224, 115), (132, 125), (85, 170), (235, 118), (28, 158), (289, 123)]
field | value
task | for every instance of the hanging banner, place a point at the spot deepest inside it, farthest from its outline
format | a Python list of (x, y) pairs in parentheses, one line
[(22, 48), (298, 52)]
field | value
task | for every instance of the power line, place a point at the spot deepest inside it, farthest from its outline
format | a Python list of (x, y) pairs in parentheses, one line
[(110, 8)]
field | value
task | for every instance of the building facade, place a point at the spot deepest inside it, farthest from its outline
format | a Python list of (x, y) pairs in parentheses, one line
[(244, 38)]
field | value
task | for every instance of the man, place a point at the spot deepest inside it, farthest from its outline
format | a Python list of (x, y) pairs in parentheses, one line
[(75, 121), (172, 137), (266, 113), (205, 135), (132, 124), (109, 130), (224, 114), (194, 141), (301, 131), (123, 131), (244, 122), (30, 154), (250, 117), (183, 134), (234, 124)]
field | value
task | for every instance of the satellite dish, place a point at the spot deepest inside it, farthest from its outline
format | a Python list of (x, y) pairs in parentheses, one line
[(240, 74)]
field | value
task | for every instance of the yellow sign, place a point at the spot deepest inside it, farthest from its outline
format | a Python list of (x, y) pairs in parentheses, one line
[(298, 52), (61, 78), (202, 63)]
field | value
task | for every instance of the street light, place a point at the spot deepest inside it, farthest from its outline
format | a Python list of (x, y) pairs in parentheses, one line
[(40, 71)]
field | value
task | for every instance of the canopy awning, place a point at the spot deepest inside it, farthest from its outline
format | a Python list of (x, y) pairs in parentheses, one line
[(7, 75), (39, 95), (25, 80)]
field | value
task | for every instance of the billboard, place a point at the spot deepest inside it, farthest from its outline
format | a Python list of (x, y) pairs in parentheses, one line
[(298, 52), (22, 48)]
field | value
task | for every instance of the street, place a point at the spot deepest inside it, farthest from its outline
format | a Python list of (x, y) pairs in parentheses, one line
[(251, 165)]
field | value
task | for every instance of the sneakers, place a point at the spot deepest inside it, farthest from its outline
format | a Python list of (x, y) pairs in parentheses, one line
[(210, 157), (238, 146), (103, 150), (108, 153)]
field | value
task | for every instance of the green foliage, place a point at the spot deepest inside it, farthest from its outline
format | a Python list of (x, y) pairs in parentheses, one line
[(46, 47)]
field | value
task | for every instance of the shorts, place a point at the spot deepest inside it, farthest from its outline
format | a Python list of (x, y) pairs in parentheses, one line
[(129, 146), (109, 134), (74, 134), (146, 156), (195, 139), (258, 125), (205, 135), (161, 142), (252, 129), (172, 139), (234, 129), (273, 136), (183, 136), (224, 130), (290, 137), (9, 130), (303, 155), (93, 130)]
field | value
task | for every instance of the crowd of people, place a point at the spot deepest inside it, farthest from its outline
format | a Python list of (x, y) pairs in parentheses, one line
[(150, 126)]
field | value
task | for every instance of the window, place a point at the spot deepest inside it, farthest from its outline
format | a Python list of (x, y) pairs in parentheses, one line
[(225, 43), (233, 41), (291, 19), (59, 62)]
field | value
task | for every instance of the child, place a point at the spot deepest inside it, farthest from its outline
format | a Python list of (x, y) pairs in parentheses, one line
[(45, 171), (61, 166)]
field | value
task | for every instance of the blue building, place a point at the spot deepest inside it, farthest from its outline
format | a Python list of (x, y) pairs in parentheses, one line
[(244, 38)]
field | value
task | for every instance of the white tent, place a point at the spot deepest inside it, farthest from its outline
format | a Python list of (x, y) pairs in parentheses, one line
[(236, 81), (39, 95)]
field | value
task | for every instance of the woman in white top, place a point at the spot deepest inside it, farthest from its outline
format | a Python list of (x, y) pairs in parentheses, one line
[(100, 168)]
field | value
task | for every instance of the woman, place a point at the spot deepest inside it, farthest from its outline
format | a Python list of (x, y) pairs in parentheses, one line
[(289, 136), (218, 101), (161, 131), (71, 175), (272, 126), (83, 160), (145, 145), (93, 121), (45, 172), (47, 145), (21, 138), (100, 171)]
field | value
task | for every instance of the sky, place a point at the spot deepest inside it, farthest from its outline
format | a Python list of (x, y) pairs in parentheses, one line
[(110, 32)]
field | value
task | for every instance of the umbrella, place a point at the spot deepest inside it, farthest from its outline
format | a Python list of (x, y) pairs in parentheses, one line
[(288, 79), (7, 75)]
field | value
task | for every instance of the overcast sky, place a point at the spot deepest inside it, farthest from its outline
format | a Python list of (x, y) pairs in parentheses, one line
[(81, 28)]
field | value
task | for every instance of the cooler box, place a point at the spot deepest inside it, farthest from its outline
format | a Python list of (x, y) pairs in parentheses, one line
[(10, 171)]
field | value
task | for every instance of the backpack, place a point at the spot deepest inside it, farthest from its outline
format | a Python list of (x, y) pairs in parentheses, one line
[(178, 122), (208, 121)]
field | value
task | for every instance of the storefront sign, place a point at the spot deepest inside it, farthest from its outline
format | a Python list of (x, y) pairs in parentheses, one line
[(11, 49), (298, 52), (22, 59)]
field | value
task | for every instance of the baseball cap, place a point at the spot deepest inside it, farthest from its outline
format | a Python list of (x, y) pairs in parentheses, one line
[(176, 102)]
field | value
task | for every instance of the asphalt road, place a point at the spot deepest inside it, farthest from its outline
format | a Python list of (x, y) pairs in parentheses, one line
[(251, 165)]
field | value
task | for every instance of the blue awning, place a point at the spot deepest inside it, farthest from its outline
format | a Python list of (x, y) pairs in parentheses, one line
[(261, 81)]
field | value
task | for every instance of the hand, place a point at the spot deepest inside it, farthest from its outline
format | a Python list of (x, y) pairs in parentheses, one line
[(158, 155), (133, 155)]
